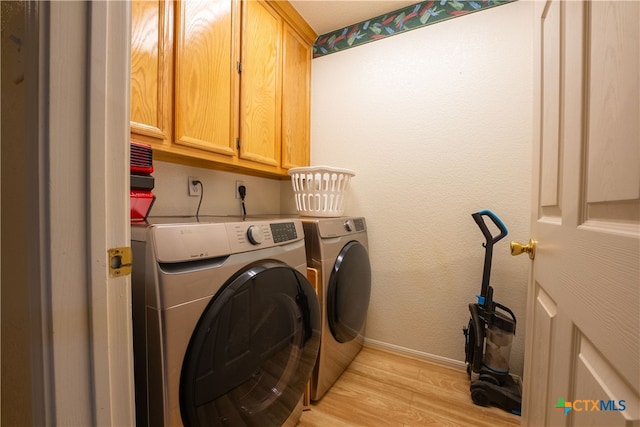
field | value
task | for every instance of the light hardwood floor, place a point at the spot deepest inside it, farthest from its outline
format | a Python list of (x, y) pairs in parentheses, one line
[(386, 389)]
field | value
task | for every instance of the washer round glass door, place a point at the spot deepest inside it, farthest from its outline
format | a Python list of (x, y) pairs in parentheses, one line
[(253, 350), (348, 292)]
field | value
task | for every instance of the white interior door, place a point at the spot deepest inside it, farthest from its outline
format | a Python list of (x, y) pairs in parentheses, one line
[(583, 359)]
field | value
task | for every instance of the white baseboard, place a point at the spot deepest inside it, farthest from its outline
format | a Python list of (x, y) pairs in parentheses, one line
[(392, 348), (414, 353)]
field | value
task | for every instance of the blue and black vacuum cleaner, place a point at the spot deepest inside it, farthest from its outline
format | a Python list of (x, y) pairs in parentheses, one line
[(489, 335)]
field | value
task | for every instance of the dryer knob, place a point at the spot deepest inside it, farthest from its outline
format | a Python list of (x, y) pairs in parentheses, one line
[(255, 235), (349, 225)]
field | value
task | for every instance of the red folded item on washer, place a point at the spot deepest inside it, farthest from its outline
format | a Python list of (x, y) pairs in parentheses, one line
[(141, 202)]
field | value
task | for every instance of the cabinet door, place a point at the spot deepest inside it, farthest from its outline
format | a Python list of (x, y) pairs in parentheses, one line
[(296, 77), (151, 65), (206, 75), (260, 98)]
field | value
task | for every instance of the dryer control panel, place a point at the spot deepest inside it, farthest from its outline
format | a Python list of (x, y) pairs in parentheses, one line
[(341, 226), (354, 224)]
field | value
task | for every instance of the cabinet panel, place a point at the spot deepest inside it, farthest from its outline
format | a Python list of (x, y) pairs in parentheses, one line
[(190, 101), (151, 79), (295, 100), (260, 98), (205, 75)]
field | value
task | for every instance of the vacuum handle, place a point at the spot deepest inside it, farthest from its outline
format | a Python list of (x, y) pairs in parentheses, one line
[(478, 217), (507, 310)]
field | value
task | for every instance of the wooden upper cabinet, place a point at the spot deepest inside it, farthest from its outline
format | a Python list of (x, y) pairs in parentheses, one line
[(296, 120), (151, 71), (260, 84), (222, 83), (275, 86), (205, 75)]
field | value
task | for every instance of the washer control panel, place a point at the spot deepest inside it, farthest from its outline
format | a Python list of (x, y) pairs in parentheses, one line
[(244, 236), (174, 239), (255, 235), (283, 232)]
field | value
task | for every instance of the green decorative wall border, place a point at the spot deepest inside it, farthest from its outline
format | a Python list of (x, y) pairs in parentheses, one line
[(397, 22)]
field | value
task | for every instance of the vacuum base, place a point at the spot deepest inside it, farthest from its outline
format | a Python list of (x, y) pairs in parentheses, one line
[(507, 396)]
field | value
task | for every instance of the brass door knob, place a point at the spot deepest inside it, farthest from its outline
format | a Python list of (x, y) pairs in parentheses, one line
[(518, 248)]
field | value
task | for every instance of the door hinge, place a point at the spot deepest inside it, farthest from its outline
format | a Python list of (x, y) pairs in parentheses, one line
[(120, 261), (239, 66), (238, 143)]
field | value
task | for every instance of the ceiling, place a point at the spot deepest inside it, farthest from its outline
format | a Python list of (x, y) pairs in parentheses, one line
[(327, 15)]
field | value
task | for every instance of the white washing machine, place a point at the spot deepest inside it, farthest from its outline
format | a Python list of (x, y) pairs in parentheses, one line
[(226, 325), (339, 269)]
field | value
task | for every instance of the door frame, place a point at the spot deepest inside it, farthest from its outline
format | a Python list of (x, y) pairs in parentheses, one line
[(78, 345)]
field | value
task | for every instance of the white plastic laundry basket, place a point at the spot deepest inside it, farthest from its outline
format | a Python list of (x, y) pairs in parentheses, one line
[(320, 190)]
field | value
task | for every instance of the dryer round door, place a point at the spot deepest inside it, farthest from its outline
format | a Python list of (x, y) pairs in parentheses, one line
[(348, 292), (253, 350)]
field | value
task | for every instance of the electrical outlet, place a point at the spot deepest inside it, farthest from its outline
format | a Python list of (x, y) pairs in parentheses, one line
[(238, 184), (195, 190)]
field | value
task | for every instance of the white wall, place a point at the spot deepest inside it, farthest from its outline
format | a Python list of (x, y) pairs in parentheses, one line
[(437, 124), (172, 198)]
